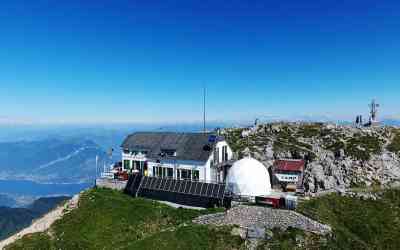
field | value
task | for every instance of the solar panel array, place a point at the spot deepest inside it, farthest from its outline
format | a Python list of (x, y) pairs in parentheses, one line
[(133, 184), (211, 190)]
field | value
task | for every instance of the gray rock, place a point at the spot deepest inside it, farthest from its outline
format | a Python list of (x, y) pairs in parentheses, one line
[(239, 231), (264, 217)]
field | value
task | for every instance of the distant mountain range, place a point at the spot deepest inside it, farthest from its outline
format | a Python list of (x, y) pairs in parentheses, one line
[(50, 160), (14, 219), (6, 201), (391, 122)]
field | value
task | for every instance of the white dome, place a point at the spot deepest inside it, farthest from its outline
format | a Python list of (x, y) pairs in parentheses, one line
[(248, 177)]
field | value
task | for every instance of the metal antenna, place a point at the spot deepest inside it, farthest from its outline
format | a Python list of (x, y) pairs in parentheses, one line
[(374, 111), (204, 109), (95, 177)]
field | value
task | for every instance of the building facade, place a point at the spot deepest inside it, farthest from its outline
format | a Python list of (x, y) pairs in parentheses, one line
[(288, 173), (185, 156)]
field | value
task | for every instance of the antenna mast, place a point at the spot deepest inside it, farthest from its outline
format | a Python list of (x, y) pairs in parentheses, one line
[(374, 111), (204, 109)]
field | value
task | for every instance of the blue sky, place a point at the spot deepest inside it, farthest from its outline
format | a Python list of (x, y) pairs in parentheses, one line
[(136, 61)]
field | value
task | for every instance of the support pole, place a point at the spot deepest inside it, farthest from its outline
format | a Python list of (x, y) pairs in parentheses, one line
[(204, 109)]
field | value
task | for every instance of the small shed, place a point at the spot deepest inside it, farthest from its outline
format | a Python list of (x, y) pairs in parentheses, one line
[(288, 173)]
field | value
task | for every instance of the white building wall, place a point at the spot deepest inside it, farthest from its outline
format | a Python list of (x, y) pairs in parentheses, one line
[(207, 172), (207, 169), (220, 145), (176, 165), (216, 175)]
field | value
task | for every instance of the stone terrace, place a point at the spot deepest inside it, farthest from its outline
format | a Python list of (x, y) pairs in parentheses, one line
[(250, 216)]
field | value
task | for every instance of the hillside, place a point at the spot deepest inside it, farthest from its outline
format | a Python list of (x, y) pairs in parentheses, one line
[(108, 219), (338, 157), (357, 224), (14, 219)]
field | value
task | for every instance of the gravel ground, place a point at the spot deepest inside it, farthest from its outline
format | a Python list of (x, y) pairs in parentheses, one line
[(250, 216)]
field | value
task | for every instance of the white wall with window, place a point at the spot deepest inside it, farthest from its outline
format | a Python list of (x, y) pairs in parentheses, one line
[(180, 169), (187, 170), (222, 152)]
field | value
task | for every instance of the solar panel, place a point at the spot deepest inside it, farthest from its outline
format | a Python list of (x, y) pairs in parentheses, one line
[(168, 185), (158, 184), (204, 189), (173, 186), (215, 191), (210, 190), (153, 184), (198, 188), (182, 187), (187, 188), (162, 184), (191, 193), (193, 188), (145, 182), (165, 186), (150, 184), (221, 192)]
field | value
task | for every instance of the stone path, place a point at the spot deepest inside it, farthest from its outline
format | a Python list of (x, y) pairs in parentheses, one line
[(43, 223), (250, 216)]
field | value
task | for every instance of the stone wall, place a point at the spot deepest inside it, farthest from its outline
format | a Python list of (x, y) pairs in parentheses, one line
[(264, 217), (113, 184)]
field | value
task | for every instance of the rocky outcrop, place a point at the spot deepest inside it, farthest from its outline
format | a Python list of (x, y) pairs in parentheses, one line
[(338, 157), (264, 217)]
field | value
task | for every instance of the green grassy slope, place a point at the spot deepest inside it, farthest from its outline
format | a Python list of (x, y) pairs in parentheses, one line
[(357, 224), (108, 219)]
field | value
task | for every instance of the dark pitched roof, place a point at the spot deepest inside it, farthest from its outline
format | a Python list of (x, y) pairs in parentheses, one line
[(289, 165), (188, 146)]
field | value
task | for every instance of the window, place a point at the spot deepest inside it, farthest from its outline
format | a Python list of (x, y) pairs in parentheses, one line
[(162, 172), (170, 172), (187, 174), (137, 165), (196, 175), (224, 153), (216, 155), (127, 164), (156, 172), (168, 152)]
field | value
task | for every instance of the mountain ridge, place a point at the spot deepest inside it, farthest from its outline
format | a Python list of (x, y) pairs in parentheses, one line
[(14, 219)]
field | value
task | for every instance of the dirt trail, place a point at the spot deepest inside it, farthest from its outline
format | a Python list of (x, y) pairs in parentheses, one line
[(43, 223)]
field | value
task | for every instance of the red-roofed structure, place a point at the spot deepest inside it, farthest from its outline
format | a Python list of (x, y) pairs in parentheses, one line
[(290, 165), (287, 172)]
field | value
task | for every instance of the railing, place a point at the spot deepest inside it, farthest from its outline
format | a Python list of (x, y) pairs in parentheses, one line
[(134, 156), (107, 175)]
